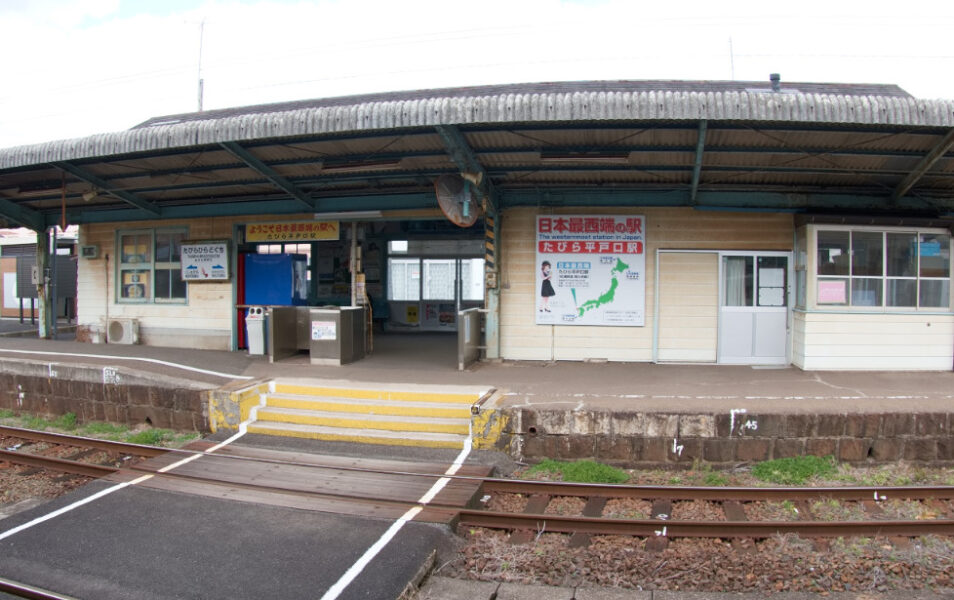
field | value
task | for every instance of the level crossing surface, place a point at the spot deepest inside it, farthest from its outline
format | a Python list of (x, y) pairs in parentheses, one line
[(146, 542)]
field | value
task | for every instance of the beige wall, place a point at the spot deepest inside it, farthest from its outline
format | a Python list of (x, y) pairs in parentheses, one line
[(688, 306), (674, 228), (204, 322), (855, 341)]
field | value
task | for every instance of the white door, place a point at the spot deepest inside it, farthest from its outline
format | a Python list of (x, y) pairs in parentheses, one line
[(753, 312)]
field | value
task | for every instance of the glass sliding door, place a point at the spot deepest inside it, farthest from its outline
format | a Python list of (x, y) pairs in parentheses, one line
[(427, 293), (753, 316)]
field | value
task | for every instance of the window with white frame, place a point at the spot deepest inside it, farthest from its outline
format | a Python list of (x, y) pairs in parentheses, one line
[(149, 266), (883, 269)]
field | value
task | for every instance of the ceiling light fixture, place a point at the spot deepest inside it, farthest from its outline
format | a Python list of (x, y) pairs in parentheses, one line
[(345, 215), (585, 157), (360, 167)]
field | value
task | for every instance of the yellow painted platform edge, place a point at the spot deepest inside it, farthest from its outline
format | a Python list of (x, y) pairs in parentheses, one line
[(488, 428), (372, 394), (331, 437), (227, 413), (458, 412), (250, 398), (266, 415)]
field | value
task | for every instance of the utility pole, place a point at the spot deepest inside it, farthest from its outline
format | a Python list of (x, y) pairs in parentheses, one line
[(201, 81)]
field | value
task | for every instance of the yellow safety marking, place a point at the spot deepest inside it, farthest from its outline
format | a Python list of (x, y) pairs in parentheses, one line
[(360, 439), (369, 394), (454, 412), (488, 428), (348, 423)]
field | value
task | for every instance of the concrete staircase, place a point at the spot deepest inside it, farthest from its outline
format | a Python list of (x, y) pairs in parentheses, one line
[(410, 415)]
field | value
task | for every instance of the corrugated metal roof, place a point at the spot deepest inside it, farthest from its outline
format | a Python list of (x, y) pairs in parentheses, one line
[(532, 103)]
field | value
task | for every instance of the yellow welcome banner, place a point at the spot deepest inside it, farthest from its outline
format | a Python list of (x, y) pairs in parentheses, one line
[(292, 231)]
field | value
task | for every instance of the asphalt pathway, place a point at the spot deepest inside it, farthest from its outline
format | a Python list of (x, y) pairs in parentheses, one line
[(141, 544)]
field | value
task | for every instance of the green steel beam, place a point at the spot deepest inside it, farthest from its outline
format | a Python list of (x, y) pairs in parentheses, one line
[(256, 207), (466, 160), (673, 196), (697, 167), (21, 215), (269, 174), (765, 200), (104, 185), (942, 148)]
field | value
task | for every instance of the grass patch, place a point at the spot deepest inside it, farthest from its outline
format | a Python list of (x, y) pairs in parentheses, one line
[(102, 427), (98, 429), (110, 431), (151, 437), (794, 471), (581, 471), (67, 422), (35, 422), (714, 479)]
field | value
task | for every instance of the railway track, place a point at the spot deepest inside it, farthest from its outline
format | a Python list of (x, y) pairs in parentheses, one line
[(873, 511), (720, 512), (75, 455)]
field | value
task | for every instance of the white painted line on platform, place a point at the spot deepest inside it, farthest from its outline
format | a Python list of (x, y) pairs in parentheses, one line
[(355, 570), (139, 358), (243, 428)]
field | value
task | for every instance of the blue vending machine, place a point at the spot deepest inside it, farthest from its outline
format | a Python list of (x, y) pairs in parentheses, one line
[(276, 279)]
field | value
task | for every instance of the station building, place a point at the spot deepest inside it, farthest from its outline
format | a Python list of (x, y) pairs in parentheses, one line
[(762, 223)]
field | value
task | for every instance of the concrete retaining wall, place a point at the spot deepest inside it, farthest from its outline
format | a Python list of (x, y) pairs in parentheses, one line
[(658, 439), (102, 394)]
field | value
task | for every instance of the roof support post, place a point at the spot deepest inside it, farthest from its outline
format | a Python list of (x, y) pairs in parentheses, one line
[(269, 173), (942, 147), (466, 160), (43, 285), (27, 217), (697, 167), (107, 187)]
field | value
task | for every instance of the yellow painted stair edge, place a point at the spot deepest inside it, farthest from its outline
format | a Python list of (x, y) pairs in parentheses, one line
[(454, 412), (358, 423), (371, 394), (332, 437)]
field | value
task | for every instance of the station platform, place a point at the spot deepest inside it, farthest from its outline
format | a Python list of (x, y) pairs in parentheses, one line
[(624, 413), (431, 358)]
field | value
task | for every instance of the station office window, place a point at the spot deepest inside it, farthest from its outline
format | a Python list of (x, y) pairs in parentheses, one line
[(886, 269), (149, 266)]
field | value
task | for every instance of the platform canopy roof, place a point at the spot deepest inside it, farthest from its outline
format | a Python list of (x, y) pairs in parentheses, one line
[(802, 147)]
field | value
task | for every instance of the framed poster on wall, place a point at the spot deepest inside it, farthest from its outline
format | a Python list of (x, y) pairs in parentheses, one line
[(590, 270)]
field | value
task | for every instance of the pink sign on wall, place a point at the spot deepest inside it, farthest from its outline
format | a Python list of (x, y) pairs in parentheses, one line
[(832, 292)]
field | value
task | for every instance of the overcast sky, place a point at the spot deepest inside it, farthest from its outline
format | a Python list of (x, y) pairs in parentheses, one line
[(79, 67)]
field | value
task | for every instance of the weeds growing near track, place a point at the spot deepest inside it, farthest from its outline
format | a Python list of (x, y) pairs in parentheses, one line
[(794, 471), (97, 429), (581, 471)]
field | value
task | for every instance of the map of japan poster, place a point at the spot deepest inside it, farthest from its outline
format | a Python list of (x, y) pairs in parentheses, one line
[(591, 270)]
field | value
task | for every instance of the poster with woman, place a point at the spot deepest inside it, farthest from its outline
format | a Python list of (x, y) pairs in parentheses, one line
[(591, 270)]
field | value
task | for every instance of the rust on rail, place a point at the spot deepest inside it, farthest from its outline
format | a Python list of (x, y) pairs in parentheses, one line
[(74, 440)]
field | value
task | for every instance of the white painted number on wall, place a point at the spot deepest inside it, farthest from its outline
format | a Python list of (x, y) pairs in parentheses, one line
[(110, 376)]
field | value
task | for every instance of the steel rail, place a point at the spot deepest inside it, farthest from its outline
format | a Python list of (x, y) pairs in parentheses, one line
[(521, 486), (258, 487), (710, 529), (22, 590), (75, 440), (57, 464)]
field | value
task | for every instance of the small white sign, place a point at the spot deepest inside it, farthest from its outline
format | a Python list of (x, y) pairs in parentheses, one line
[(324, 330), (771, 277), (205, 261)]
